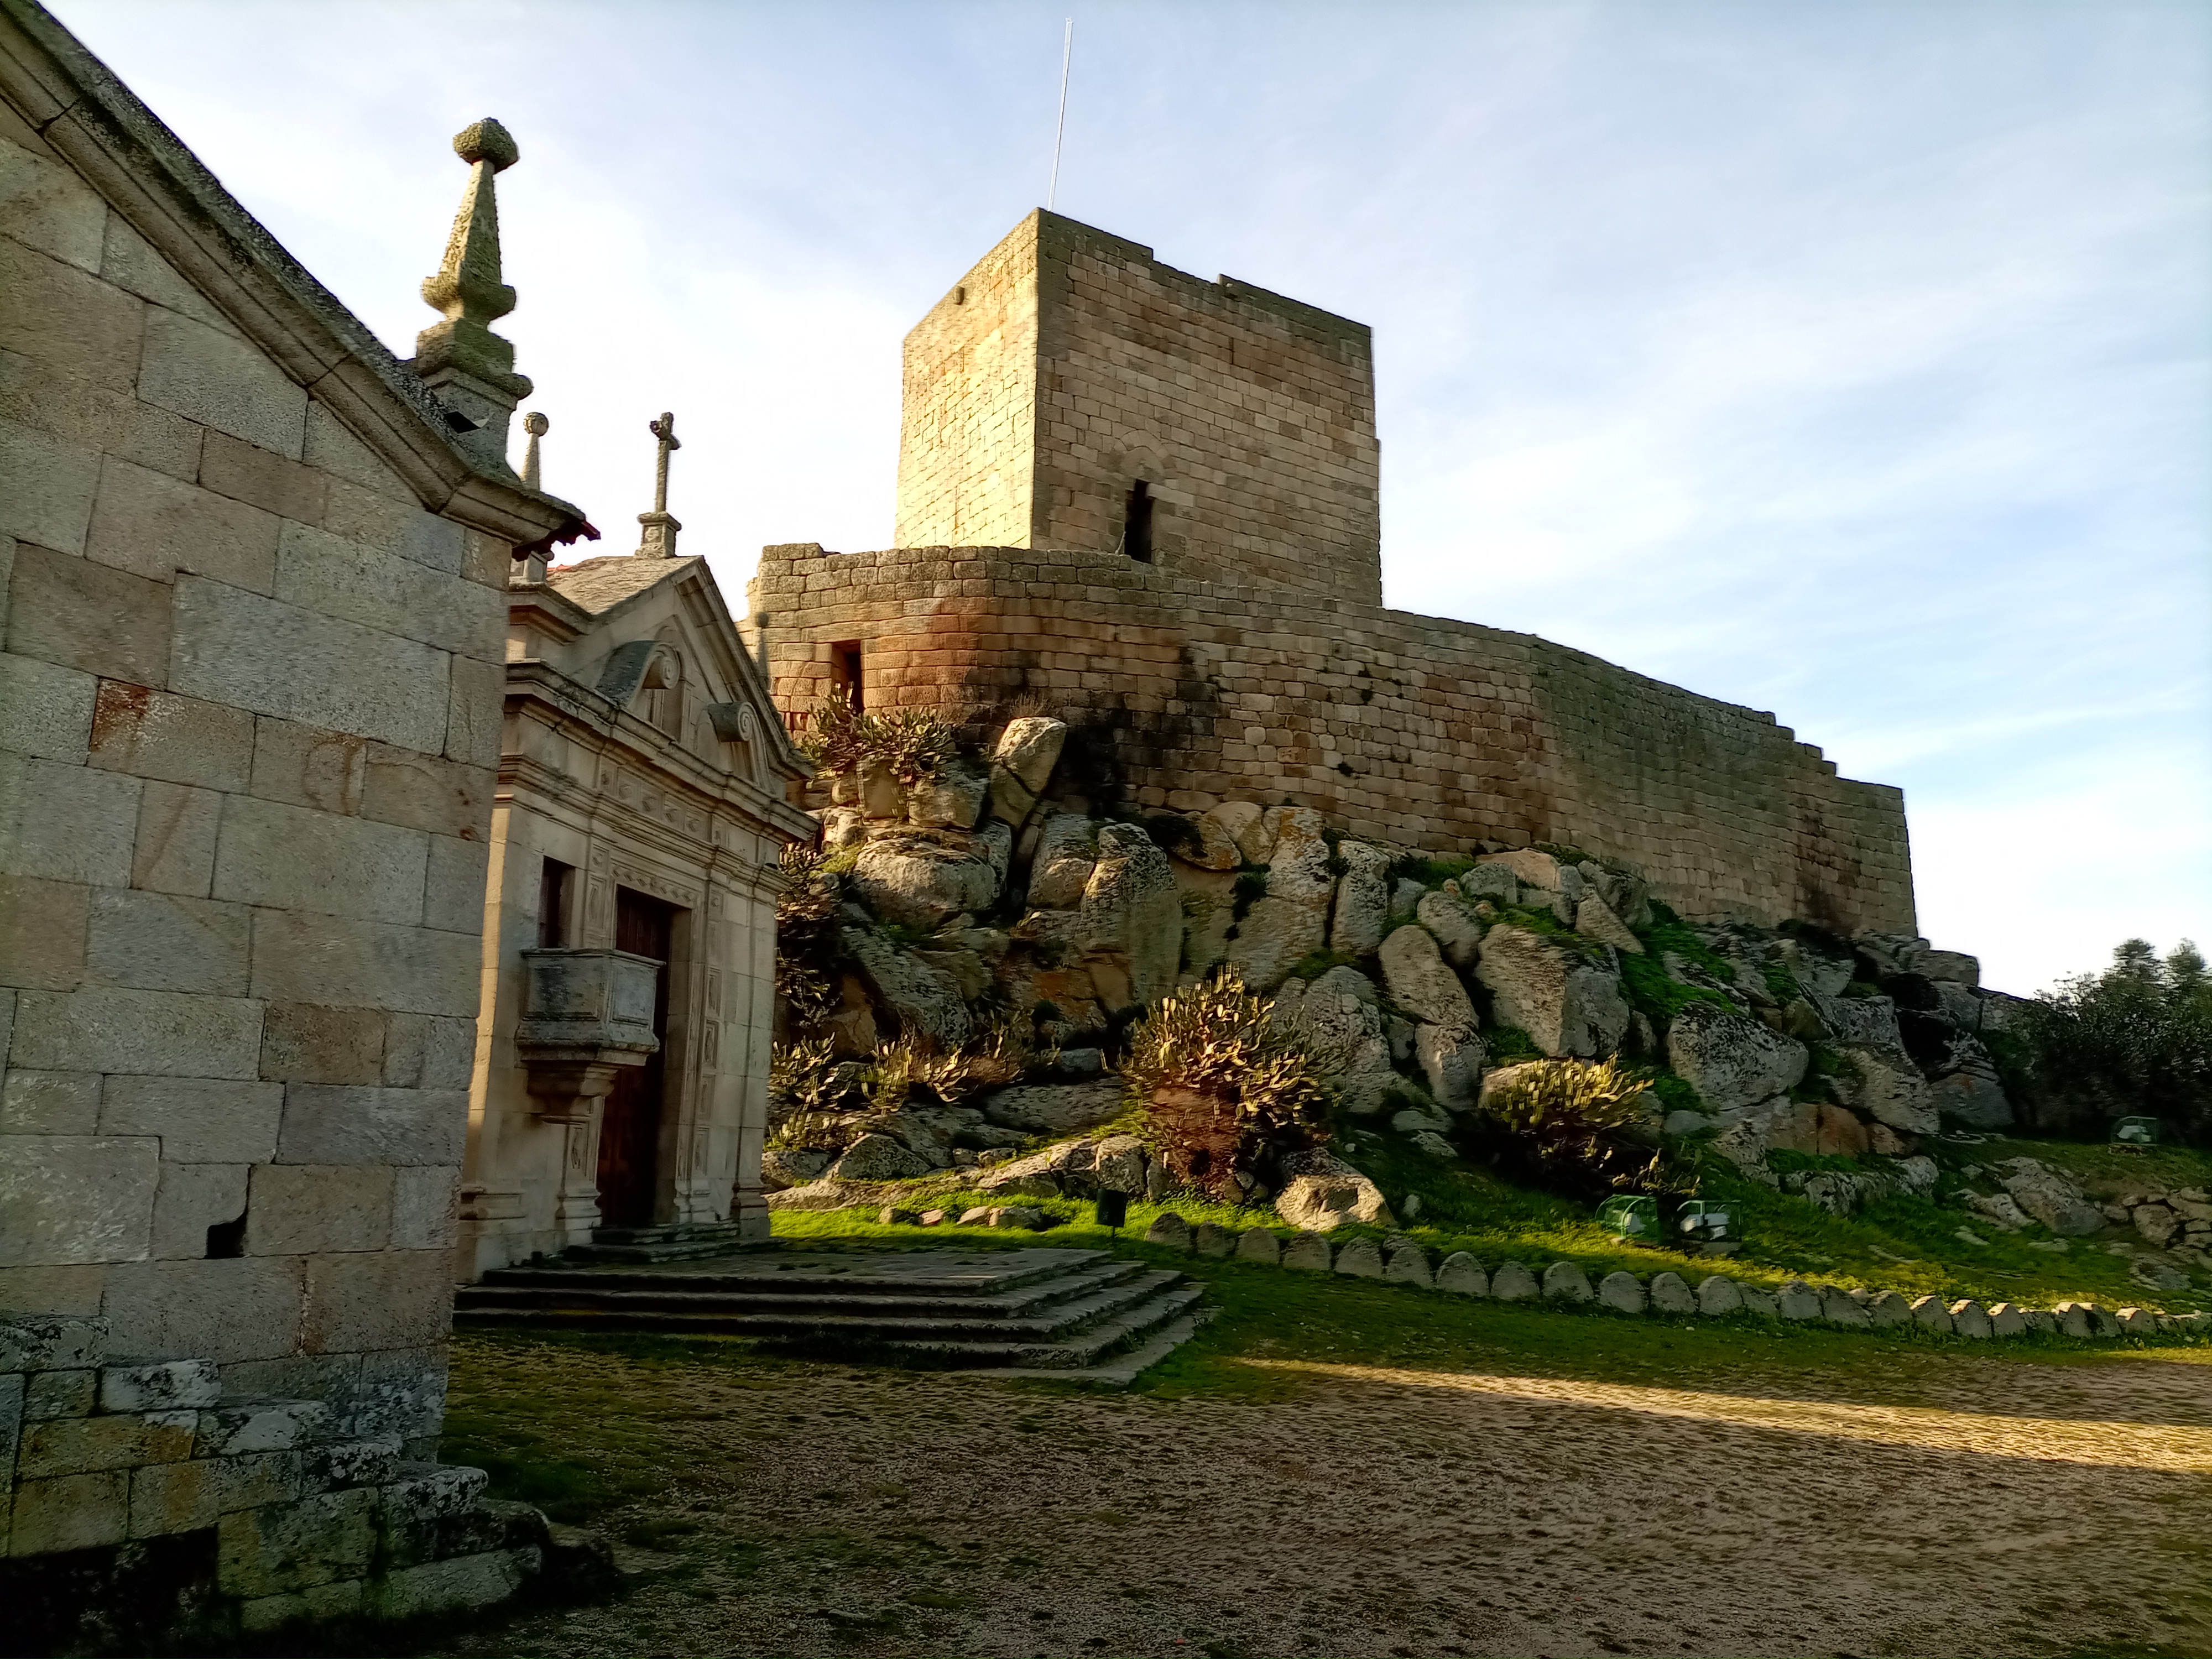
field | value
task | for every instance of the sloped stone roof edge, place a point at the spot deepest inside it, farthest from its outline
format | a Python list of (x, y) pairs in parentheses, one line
[(82, 109)]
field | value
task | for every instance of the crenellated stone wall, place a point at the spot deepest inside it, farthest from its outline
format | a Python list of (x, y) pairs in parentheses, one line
[(1419, 730)]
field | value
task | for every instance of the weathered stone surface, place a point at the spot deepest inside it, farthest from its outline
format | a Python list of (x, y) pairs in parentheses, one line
[(1839, 1307), (1118, 1165), (76, 1198), (2052, 1199), (1869, 1022), (1797, 1300), (1594, 919), (2007, 1320), (1210, 845), (1297, 857), (1360, 1259), (1420, 982), (1323, 1192), (1215, 1242), (1258, 1244), (1718, 1295), (1564, 1281), (1567, 1004), (1891, 1090), (1274, 936), (1732, 1061), (920, 881), (1246, 823), (1030, 748), (1998, 1209), (1462, 1275), (878, 1158), (2137, 1322), (1513, 1282), (1409, 1264), (1671, 1293), (1130, 909), (1308, 1253), (1764, 1304), (1055, 1108), (1451, 1061), (951, 798), (1169, 1230), (1929, 1312), (1622, 1292), (1528, 867), (1450, 920), (1067, 849), (1362, 899), (925, 1001), (1970, 1318)]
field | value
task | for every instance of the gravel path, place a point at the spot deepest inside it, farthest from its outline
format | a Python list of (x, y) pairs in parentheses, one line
[(2007, 1509)]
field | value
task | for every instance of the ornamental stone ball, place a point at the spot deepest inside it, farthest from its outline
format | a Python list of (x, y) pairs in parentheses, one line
[(487, 141)]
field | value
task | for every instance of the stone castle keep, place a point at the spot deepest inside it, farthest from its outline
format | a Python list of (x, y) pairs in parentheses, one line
[(1148, 501)]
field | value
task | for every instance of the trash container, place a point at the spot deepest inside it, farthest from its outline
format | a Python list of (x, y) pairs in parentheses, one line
[(1630, 1218)]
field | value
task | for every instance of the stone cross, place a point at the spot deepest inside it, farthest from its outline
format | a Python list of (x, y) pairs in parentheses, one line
[(660, 539)]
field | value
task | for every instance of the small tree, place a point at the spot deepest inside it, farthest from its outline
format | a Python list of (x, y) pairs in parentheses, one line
[(2135, 1038), (1222, 1094)]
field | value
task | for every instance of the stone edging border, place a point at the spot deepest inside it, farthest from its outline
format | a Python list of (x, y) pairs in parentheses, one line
[(1401, 1260)]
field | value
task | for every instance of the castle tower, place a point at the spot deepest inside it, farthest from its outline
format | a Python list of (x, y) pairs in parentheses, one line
[(1072, 392)]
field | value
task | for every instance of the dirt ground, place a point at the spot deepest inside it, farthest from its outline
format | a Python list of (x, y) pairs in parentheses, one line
[(2013, 1508)]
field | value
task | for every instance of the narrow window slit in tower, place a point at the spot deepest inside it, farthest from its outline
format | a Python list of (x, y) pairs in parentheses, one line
[(845, 673), (1137, 537)]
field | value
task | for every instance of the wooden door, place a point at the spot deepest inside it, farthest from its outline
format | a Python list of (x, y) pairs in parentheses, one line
[(629, 1130)]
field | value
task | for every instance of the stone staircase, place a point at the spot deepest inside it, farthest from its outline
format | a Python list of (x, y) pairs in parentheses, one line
[(1082, 1316)]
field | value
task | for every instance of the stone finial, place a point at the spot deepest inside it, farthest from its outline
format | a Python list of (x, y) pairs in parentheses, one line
[(537, 426), (471, 369), (659, 539)]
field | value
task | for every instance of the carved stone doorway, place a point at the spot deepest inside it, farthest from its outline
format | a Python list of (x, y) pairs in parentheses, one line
[(629, 1130)]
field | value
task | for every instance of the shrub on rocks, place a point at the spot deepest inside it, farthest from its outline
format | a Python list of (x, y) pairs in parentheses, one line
[(1224, 1093), (1570, 1126)]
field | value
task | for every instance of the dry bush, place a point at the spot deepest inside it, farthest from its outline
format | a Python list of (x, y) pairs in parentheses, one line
[(805, 943), (1222, 1094), (1573, 1126), (913, 743)]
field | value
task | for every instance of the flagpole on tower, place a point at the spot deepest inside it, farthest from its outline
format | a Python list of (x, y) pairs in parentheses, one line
[(1059, 130)]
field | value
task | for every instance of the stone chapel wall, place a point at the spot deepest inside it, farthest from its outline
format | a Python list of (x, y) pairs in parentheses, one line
[(1421, 730), (249, 714)]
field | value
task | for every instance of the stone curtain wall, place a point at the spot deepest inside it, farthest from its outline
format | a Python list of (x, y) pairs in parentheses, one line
[(1070, 363), (249, 706), (1415, 729)]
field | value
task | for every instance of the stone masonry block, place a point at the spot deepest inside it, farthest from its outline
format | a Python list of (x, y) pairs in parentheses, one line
[(66, 823), (151, 1033), (155, 734), (332, 448), (50, 208), (276, 484), (307, 766), (49, 1103), (69, 1290), (12, 1389), (424, 792), (424, 1208), (387, 1299), (130, 262), (173, 1498), (293, 859), (51, 484), (42, 933), (60, 1394), (329, 1125), (307, 1042), (289, 1547), (154, 525), (253, 1427), (172, 850), (454, 885), (75, 1512), (220, 381), (384, 520), (166, 942), (83, 1445), (82, 614), (163, 1385), (192, 1198), (45, 710), (225, 1310), (397, 1391), (276, 658), (297, 1209), (331, 576), (46, 1342), (197, 1120), (342, 963), (68, 318), (420, 1052), (473, 712), (75, 1199)]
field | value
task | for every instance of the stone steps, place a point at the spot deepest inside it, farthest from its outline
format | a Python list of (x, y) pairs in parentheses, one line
[(1073, 1315)]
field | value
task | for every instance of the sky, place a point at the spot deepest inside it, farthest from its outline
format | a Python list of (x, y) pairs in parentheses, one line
[(1847, 359)]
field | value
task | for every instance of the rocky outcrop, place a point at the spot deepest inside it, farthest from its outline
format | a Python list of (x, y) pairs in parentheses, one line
[(920, 881), (1132, 916), (1362, 907), (1021, 764), (1451, 921), (1060, 870), (1060, 1109), (1273, 937), (925, 1001), (1568, 1003), (1732, 1061), (1420, 982), (1324, 1192)]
